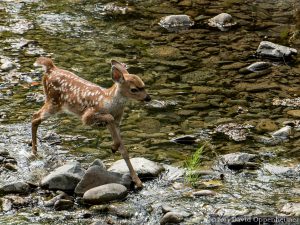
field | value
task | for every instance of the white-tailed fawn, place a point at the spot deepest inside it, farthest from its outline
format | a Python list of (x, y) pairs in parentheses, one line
[(94, 105)]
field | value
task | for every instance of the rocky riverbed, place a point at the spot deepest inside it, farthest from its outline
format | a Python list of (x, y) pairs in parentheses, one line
[(223, 74)]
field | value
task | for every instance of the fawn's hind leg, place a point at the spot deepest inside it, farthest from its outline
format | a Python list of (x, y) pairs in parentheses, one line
[(45, 112)]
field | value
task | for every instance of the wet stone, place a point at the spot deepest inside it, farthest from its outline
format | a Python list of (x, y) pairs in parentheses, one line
[(64, 178), (259, 66), (96, 176), (223, 22), (270, 49), (280, 170), (144, 167), (121, 210), (175, 23), (63, 204), (204, 193), (105, 193), (17, 187), (237, 161), (266, 125), (171, 218), (283, 133), (98, 162)]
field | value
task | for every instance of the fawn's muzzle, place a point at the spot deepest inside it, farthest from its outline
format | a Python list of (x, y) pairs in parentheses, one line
[(147, 99)]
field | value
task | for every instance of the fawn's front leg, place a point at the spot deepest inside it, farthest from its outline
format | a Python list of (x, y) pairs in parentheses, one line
[(118, 142), (92, 118)]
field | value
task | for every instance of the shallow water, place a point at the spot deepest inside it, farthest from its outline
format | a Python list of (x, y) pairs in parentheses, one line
[(194, 77)]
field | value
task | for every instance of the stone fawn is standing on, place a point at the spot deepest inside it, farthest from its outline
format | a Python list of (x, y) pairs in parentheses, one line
[(94, 105)]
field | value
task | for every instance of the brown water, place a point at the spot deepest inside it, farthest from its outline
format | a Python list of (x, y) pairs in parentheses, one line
[(196, 73)]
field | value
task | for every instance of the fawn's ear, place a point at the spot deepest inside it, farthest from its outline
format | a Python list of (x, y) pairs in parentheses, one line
[(120, 66), (117, 75)]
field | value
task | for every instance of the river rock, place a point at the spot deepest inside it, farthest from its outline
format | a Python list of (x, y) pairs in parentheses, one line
[(280, 170), (292, 209), (204, 193), (96, 176), (122, 210), (17, 187), (259, 66), (185, 139), (283, 133), (171, 218), (144, 167), (270, 49), (98, 162), (105, 193), (63, 204), (236, 132), (266, 125), (236, 161), (176, 22), (64, 178), (222, 21), (7, 65), (294, 113)]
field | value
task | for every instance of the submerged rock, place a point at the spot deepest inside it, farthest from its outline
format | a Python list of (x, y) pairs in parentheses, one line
[(112, 9), (222, 21), (96, 176), (64, 178), (236, 132), (237, 161), (259, 66), (280, 170), (283, 133), (63, 204), (294, 102), (270, 49), (105, 193), (122, 210), (144, 167), (176, 22), (171, 218)]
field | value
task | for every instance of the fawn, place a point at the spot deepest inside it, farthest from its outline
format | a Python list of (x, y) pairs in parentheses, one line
[(94, 105)]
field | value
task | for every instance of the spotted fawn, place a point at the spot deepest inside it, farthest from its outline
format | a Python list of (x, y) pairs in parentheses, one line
[(94, 105)]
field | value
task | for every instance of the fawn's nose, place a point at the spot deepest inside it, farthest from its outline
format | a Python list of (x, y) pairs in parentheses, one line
[(148, 98)]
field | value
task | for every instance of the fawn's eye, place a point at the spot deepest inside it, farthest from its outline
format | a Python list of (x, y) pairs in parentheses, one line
[(134, 90)]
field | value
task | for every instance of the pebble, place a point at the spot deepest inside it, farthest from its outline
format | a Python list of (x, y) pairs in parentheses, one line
[(222, 21)]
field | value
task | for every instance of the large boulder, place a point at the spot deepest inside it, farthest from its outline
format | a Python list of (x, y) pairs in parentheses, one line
[(105, 193), (144, 167), (64, 178), (97, 176)]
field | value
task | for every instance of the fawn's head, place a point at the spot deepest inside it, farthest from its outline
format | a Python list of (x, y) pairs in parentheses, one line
[(130, 85)]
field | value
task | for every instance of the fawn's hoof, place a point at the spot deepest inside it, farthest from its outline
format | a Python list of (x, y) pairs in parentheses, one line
[(138, 184)]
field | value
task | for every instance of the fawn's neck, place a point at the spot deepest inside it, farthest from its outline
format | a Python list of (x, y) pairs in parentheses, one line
[(115, 97)]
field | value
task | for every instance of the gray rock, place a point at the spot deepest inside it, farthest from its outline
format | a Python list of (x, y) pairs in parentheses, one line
[(222, 21), (105, 193), (280, 170), (53, 200), (270, 49), (7, 65), (96, 176), (236, 161), (63, 204), (17, 187), (98, 162), (176, 22), (259, 66), (283, 133), (144, 167), (171, 217), (64, 178), (204, 193)]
